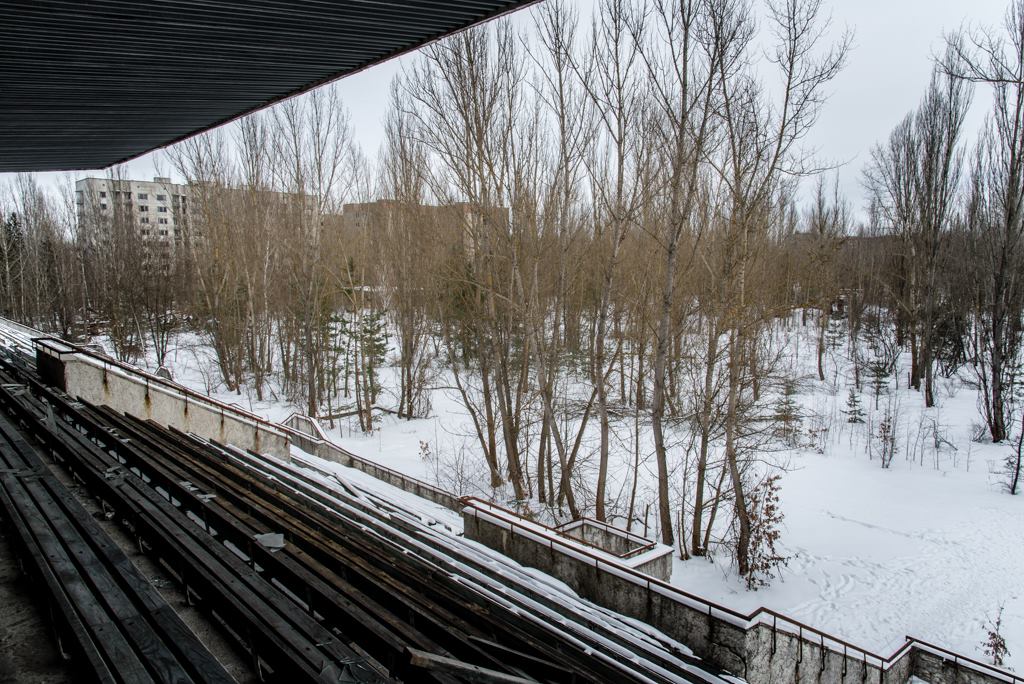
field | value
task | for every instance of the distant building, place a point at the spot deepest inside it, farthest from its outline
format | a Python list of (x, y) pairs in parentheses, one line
[(158, 208), (453, 223)]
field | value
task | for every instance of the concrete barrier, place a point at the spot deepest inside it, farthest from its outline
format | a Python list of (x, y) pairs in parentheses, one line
[(764, 647), (98, 380), (632, 550), (101, 380)]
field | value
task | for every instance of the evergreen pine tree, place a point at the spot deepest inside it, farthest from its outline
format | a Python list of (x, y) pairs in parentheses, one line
[(887, 438), (854, 412), (787, 414), (834, 335), (878, 372), (373, 340)]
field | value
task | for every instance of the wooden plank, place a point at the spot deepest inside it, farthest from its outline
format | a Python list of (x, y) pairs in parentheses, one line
[(284, 632), (139, 609), (395, 587), (82, 643), (172, 650), (104, 631), (241, 603), (402, 585), (350, 611), (150, 650), (466, 671), (344, 606)]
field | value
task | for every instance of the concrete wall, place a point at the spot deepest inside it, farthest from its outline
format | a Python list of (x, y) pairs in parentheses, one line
[(128, 390), (946, 668), (150, 401), (763, 649), (636, 552), (721, 644), (617, 542), (100, 381), (658, 566)]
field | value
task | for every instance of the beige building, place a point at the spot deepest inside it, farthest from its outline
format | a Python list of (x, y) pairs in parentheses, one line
[(159, 208), (451, 223)]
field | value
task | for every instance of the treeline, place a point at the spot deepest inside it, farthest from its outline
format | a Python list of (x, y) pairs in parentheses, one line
[(620, 241)]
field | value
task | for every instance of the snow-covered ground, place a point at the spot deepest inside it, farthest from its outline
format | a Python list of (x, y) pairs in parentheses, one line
[(930, 547), (877, 555)]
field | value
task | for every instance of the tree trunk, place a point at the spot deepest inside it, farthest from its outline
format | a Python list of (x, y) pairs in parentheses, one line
[(696, 546), (662, 343), (732, 457)]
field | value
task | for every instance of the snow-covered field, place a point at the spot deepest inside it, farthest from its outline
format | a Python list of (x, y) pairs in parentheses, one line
[(930, 547), (877, 555)]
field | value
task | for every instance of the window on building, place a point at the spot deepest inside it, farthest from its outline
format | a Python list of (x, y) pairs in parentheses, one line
[(145, 231), (162, 209), (102, 193), (144, 219), (143, 207), (161, 198), (163, 220), (103, 205), (163, 232), (143, 196)]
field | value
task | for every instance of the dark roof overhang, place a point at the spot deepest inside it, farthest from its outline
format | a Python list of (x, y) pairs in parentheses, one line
[(84, 85)]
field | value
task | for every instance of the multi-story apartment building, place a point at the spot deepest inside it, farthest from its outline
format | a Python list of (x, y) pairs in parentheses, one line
[(158, 208), (167, 213)]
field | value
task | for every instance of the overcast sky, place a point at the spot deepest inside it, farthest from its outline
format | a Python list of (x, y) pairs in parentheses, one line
[(886, 74)]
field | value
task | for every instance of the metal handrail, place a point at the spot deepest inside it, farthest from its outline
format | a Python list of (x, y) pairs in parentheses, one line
[(348, 454)]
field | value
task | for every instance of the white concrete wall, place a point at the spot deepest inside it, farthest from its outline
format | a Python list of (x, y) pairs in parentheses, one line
[(138, 396)]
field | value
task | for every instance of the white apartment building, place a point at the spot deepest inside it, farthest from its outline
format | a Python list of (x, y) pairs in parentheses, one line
[(159, 208)]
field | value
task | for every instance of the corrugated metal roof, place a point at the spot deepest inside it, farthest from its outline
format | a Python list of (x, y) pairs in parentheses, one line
[(87, 84)]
